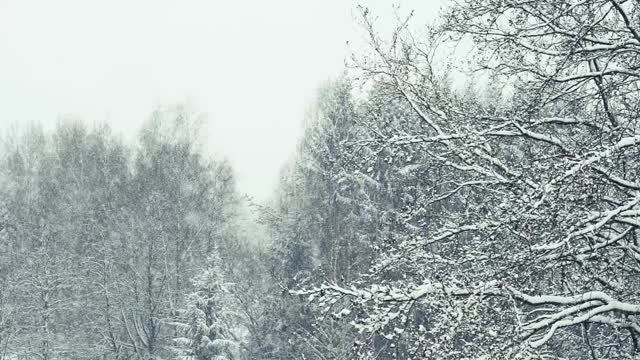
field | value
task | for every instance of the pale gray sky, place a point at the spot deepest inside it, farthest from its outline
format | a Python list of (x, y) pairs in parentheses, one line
[(251, 66)]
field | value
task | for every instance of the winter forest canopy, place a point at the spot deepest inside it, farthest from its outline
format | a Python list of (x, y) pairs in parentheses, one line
[(416, 219)]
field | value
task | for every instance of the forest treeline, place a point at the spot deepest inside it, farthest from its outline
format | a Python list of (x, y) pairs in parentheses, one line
[(416, 219)]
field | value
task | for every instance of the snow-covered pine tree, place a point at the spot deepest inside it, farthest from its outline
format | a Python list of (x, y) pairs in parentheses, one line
[(205, 321)]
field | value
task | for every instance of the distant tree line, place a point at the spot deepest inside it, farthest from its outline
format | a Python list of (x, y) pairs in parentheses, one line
[(111, 251)]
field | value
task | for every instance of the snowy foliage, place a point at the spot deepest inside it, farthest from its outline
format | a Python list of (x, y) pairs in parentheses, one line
[(93, 229), (208, 320), (513, 229), (415, 220)]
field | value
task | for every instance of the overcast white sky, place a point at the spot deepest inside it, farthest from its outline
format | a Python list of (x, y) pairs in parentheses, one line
[(251, 66)]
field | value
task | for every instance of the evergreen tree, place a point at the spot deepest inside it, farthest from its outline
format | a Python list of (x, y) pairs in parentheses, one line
[(208, 317)]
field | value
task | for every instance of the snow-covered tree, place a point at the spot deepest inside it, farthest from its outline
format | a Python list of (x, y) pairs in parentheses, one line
[(532, 252), (211, 327)]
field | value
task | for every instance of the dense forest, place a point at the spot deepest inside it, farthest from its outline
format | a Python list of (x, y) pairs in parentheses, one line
[(417, 219)]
